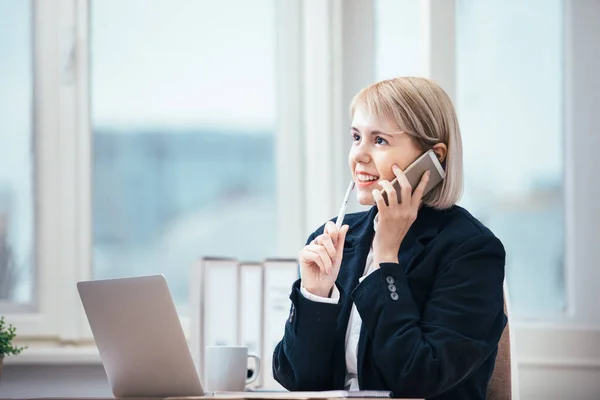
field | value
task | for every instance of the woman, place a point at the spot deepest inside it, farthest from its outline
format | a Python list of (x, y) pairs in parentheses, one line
[(406, 297)]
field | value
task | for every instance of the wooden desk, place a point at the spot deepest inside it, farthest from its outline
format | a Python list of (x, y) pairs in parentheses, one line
[(199, 398)]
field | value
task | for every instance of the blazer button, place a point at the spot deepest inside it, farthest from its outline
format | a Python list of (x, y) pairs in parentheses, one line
[(394, 296), (389, 280), (392, 288)]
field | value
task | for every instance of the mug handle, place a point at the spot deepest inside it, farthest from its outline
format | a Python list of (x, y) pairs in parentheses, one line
[(256, 370)]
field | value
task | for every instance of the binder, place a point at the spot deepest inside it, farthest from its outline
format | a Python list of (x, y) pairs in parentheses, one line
[(280, 274), (240, 303), (214, 297), (250, 313)]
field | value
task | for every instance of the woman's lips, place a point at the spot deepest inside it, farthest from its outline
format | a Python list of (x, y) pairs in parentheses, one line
[(365, 184), (365, 180)]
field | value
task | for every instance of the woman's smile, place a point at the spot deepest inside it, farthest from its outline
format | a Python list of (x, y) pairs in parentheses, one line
[(364, 180)]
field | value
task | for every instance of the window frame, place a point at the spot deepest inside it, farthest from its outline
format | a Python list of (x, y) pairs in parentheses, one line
[(5, 305), (43, 323)]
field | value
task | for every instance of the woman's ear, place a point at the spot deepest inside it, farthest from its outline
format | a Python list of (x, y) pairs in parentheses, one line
[(440, 150)]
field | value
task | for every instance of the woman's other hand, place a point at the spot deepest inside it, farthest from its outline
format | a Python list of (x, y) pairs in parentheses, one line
[(395, 219), (320, 260)]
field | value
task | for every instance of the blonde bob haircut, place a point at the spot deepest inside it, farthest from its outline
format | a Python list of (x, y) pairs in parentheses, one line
[(423, 110)]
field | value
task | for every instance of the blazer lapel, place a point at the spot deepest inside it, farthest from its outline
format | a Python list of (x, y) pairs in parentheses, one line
[(356, 249), (412, 247), (420, 234)]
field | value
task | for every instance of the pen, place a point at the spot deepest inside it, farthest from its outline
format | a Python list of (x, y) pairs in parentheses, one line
[(342, 214)]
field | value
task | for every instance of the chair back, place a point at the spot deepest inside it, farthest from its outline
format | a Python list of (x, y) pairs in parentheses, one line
[(504, 382)]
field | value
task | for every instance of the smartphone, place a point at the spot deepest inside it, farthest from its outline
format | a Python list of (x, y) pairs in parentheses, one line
[(428, 161)]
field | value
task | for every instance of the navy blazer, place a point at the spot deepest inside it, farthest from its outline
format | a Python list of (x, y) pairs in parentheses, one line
[(431, 323)]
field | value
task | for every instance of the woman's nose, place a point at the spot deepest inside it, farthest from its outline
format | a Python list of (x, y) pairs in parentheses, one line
[(361, 155)]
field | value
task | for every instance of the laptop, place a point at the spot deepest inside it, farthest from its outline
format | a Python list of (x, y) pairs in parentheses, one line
[(139, 337), (143, 348)]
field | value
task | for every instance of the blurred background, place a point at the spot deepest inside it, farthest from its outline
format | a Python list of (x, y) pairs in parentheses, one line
[(137, 136)]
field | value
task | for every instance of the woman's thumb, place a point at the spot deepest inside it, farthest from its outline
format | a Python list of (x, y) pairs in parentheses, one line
[(341, 237)]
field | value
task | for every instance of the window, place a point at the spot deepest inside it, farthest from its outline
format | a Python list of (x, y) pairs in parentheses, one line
[(183, 135), (398, 39), (509, 85), (17, 162)]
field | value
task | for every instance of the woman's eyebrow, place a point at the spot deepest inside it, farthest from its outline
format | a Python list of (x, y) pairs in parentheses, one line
[(374, 132)]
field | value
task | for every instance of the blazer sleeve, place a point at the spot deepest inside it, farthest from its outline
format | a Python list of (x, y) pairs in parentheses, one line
[(302, 360), (425, 353)]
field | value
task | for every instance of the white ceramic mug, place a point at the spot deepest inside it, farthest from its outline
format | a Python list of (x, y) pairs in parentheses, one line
[(227, 368)]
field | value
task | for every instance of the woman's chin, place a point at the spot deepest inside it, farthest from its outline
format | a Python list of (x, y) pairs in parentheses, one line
[(365, 199)]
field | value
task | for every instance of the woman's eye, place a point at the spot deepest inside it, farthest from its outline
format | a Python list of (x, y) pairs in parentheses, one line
[(380, 140), (355, 137)]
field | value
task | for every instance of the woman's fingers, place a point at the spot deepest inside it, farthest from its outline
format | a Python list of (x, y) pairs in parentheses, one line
[(379, 201), (332, 230), (418, 194), (325, 266), (392, 197), (326, 259), (314, 258), (405, 187), (326, 241), (339, 248), (311, 256)]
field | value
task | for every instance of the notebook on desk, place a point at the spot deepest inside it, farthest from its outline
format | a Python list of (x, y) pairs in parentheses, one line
[(327, 394)]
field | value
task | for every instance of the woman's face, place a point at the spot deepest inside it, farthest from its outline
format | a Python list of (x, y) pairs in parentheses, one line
[(377, 145)]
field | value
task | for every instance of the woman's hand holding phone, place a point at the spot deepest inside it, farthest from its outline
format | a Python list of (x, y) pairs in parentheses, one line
[(320, 260), (395, 218)]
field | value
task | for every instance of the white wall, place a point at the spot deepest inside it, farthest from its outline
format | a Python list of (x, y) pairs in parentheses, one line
[(543, 382), (582, 106), (22, 381)]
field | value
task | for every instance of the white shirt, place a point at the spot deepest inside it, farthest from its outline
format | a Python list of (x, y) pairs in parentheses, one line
[(354, 326)]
